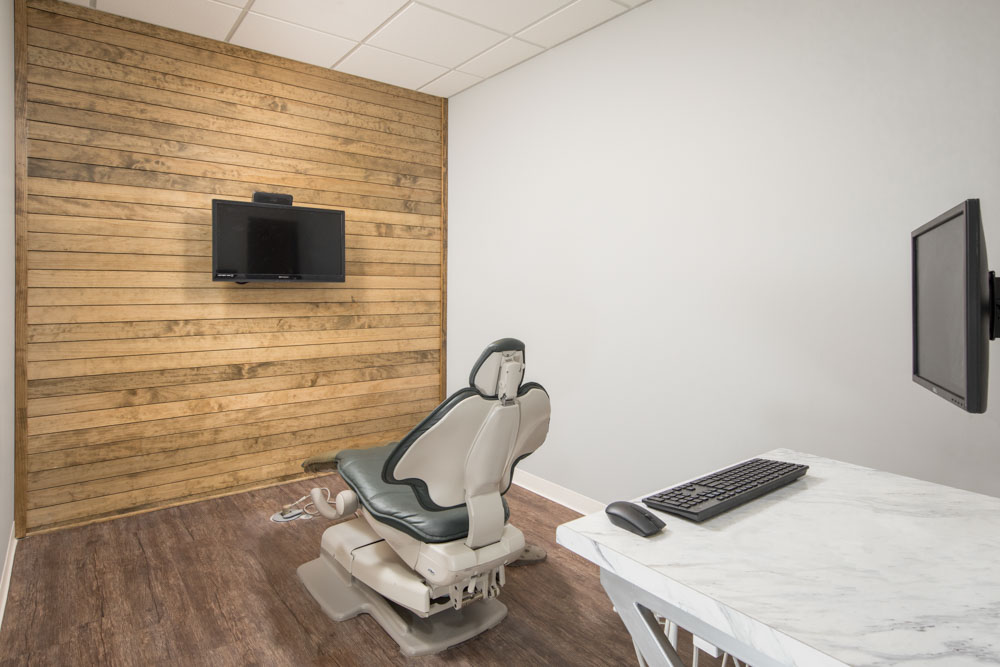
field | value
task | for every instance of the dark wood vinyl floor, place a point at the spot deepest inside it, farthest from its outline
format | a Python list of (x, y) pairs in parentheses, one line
[(214, 583)]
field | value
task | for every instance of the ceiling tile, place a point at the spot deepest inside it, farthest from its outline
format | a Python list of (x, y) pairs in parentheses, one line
[(290, 41), (387, 67), (199, 17), (632, 3), (508, 16), (449, 84), (354, 19), (427, 34), (571, 21), (505, 54)]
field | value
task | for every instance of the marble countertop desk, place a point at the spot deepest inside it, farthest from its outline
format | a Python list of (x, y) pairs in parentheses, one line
[(846, 566)]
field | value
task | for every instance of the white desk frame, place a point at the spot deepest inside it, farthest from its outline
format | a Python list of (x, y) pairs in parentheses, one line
[(846, 566)]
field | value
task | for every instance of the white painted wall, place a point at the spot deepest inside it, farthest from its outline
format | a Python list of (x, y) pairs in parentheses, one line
[(698, 218)]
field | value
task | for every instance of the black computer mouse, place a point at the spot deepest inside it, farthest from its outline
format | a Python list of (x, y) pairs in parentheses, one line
[(634, 518)]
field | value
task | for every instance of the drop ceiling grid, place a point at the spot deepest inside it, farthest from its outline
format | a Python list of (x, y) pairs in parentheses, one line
[(439, 47)]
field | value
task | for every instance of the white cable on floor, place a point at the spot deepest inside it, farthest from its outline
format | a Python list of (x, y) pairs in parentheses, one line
[(293, 511)]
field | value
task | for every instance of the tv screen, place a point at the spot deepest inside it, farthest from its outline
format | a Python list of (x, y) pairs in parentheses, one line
[(951, 307), (275, 242)]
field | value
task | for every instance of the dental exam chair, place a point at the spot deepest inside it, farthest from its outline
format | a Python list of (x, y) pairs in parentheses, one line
[(425, 554)]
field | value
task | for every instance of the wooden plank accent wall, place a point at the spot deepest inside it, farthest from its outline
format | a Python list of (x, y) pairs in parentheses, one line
[(143, 383)]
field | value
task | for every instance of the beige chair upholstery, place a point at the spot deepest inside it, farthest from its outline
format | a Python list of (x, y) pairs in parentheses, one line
[(433, 535)]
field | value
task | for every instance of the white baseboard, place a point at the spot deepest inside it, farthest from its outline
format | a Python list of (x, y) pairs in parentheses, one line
[(8, 566), (559, 494)]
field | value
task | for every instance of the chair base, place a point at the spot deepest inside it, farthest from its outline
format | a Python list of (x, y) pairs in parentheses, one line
[(342, 597)]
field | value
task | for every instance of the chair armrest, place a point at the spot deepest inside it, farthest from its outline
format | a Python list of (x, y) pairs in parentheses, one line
[(321, 462)]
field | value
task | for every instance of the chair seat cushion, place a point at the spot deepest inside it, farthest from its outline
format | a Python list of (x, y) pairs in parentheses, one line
[(396, 504)]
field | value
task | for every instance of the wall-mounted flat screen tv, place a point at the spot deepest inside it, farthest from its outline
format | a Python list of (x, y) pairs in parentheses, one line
[(274, 242)]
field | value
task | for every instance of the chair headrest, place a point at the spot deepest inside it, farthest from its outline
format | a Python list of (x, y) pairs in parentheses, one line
[(499, 370)]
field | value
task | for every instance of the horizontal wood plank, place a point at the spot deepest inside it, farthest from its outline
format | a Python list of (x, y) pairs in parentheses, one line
[(159, 361), (77, 127), (203, 279), (58, 201), (181, 430), (141, 346), (152, 470), (67, 224), (122, 157), (100, 261), (190, 49), (196, 187), (225, 293), (56, 467), (99, 200), (70, 38), (179, 376), (105, 116), (171, 393), (133, 313), (52, 333), (82, 243), (139, 413), (121, 502), (148, 383), (59, 52)]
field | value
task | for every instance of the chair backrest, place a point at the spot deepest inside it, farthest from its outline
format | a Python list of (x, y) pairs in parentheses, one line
[(464, 452)]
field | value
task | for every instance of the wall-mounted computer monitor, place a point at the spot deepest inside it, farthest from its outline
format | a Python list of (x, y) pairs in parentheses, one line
[(954, 307)]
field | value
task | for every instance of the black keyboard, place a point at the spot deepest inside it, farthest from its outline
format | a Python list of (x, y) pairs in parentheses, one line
[(721, 491)]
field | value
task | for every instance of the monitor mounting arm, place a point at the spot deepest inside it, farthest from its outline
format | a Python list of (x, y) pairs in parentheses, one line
[(994, 304)]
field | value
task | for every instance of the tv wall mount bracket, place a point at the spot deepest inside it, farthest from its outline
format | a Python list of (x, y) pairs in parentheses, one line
[(994, 305)]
